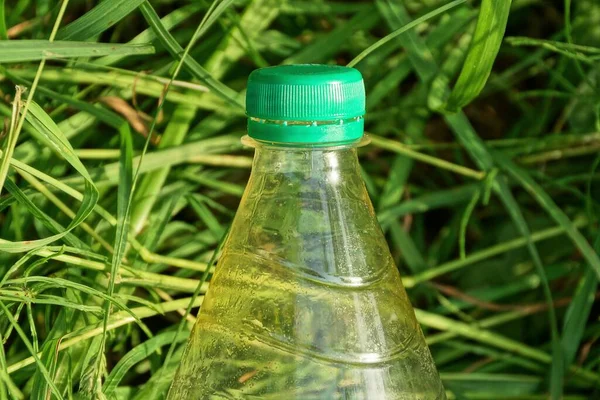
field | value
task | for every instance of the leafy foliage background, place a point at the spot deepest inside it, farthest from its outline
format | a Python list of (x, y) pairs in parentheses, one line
[(121, 168)]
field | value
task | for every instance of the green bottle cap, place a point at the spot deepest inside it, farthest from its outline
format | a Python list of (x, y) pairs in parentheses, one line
[(306, 104)]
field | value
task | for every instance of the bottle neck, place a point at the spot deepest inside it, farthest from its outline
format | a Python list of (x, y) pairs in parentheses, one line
[(324, 164), (308, 209)]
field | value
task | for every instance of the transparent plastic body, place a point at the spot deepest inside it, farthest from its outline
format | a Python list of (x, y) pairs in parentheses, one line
[(306, 302)]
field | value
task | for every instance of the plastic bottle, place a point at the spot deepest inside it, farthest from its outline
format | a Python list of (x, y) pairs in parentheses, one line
[(306, 302)]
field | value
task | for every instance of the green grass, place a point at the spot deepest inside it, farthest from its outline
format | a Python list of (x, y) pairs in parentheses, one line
[(121, 169)]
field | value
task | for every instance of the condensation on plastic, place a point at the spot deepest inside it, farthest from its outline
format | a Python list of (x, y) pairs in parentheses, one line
[(306, 302)]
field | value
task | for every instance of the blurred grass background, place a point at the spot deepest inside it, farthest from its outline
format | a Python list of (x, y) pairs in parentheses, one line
[(121, 168)]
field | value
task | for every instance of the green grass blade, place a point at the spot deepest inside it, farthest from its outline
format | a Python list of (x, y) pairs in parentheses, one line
[(390, 12), (177, 155), (300, 7), (90, 379), (40, 365), (437, 162), (491, 25), (53, 137), (151, 184), (169, 21), (578, 311), (169, 42), (49, 356), (478, 334), (438, 94), (98, 19), (55, 282), (529, 184), (118, 319), (62, 187), (426, 202), (410, 253), (3, 34), (582, 73), (138, 354), (437, 38), (204, 213), (108, 117), (403, 29), (12, 389), (49, 133), (17, 51), (19, 296), (500, 386), (161, 380), (464, 224), (215, 11), (257, 17), (396, 182), (143, 84), (59, 231), (123, 202), (323, 48), (124, 194), (552, 45), (11, 140), (7, 385)]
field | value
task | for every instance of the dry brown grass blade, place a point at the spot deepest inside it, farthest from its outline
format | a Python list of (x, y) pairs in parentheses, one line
[(137, 119)]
